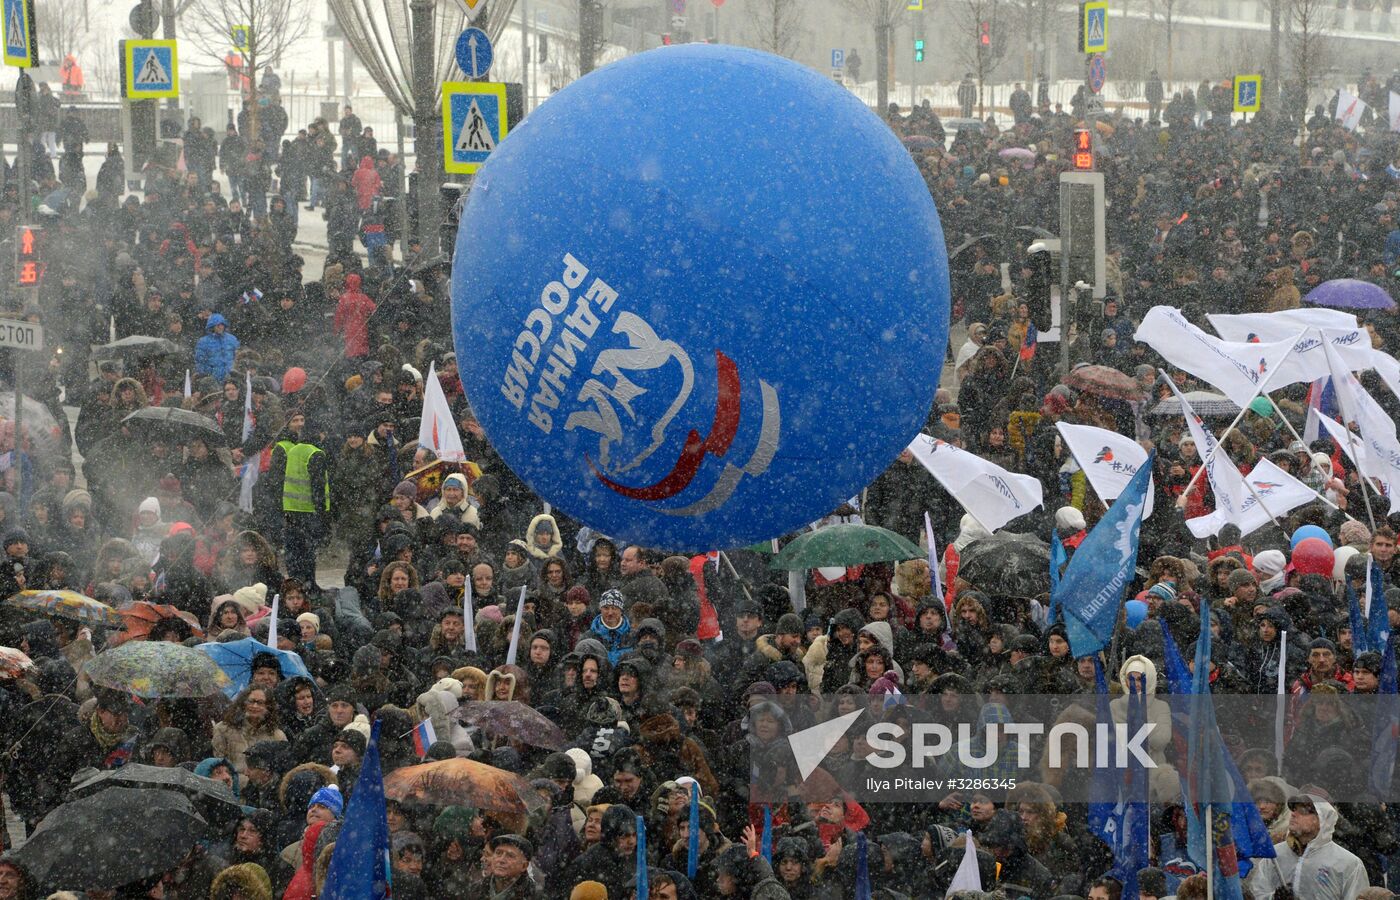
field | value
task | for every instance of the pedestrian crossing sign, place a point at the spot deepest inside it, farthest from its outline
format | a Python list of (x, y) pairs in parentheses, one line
[(21, 40), (1093, 26), (1248, 89), (242, 37), (473, 123), (150, 69)]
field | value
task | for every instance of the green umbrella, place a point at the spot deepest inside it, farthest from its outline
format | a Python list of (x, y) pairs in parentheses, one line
[(845, 545), (157, 669)]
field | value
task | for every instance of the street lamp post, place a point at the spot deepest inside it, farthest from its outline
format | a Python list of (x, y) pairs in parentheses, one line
[(427, 125)]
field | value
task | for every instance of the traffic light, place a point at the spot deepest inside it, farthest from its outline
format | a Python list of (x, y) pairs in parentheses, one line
[(1083, 150), (666, 39), (1038, 286), (29, 267), (918, 50), (984, 33)]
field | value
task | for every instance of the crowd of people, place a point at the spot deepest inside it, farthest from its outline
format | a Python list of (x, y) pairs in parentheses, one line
[(661, 670)]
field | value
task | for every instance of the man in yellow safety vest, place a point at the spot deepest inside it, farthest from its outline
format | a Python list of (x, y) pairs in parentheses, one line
[(299, 470)]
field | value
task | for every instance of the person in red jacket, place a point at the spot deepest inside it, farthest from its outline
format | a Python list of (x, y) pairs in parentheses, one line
[(367, 183), (352, 314)]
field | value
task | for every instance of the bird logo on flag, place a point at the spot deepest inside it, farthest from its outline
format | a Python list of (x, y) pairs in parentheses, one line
[(1104, 455), (1251, 338), (1265, 487)]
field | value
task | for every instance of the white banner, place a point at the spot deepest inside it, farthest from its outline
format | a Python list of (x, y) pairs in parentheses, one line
[(1307, 362), (1279, 491), (1376, 438), (1238, 370), (1225, 480), (1281, 325), (1349, 109), (1109, 459), (436, 429), (992, 495)]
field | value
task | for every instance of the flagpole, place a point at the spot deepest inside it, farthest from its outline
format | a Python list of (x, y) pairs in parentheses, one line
[(1281, 693), (1361, 476), (1210, 852)]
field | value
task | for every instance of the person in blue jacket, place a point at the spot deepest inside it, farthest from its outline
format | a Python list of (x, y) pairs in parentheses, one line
[(214, 353), (611, 627)]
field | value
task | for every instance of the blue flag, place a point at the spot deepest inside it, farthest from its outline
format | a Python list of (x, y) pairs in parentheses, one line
[(766, 845), (1058, 559), (643, 883), (862, 867), (1119, 813), (359, 868), (1360, 634), (692, 846), (1378, 618), (1092, 586), (1178, 676), (1385, 736)]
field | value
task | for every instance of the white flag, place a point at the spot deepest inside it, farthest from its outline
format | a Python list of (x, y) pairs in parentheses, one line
[(992, 495), (1389, 370), (1394, 111), (1349, 109), (1225, 480), (1350, 443), (187, 384), (1307, 362), (968, 877), (272, 621), (469, 616), (436, 429), (249, 476), (514, 649), (1109, 459), (1376, 437), (1239, 370), (1280, 492)]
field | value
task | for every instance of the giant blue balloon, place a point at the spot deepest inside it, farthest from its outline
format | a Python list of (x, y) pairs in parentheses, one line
[(700, 297)]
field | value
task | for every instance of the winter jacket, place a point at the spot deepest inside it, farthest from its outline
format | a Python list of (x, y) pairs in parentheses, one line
[(232, 742), (367, 183), (1322, 871), (214, 353), (352, 314)]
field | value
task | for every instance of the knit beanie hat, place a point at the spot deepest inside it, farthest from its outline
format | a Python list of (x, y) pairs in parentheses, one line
[(311, 617), (1355, 533), (329, 797), (251, 598), (589, 890), (1068, 520)]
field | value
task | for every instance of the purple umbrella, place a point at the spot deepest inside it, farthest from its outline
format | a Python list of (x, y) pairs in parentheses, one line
[(1349, 293), (1023, 155)]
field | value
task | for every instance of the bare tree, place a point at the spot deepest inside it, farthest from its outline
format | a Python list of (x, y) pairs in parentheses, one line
[(978, 41), (1310, 45), (273, 27), (1033, 19), (590, 34), (778, 24), (62, 28), (1171, 9), (882, 16)]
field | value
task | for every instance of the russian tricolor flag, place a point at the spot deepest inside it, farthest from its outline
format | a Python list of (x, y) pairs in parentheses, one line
[(1029, 343), (423, 737)]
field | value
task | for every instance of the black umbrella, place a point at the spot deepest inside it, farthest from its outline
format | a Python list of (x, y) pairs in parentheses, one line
[(136, 347), (213, 800), (113, 838), (1007, 565), (179, 426), (971, 241)]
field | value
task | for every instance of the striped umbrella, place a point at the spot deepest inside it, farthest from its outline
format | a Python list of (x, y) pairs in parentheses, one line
[(68, 605)]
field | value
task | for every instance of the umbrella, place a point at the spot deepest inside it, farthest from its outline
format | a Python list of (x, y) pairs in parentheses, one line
[(1103, 381), (176, 425), (14, 663), (976, 239), (513, 720), (157, 669), (137, 347), (41, 430), (68, 605), (1349, 293), (1024, 156), (845, 545), (236, 659), (1035, 230), (110, 839), (1007, 565), (463, 782), (142, 616), (214, 801), (922, 142), (1204, 403)]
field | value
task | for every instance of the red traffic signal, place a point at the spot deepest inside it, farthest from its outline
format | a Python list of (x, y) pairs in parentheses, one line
[(1083, 150), (666, 39), (985, 33), (29, 268)]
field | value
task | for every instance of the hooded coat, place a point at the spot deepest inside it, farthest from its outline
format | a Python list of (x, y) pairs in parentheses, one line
[(1320, 871), (214, 353), (352, 314)]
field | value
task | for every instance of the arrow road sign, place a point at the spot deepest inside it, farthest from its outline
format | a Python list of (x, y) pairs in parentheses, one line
[(474, 53)]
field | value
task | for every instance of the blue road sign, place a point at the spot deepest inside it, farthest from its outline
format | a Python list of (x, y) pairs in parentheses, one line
[(838, 58), (474, 53), (1098, 74), (473, 123), (17, 23), (150, 69)]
